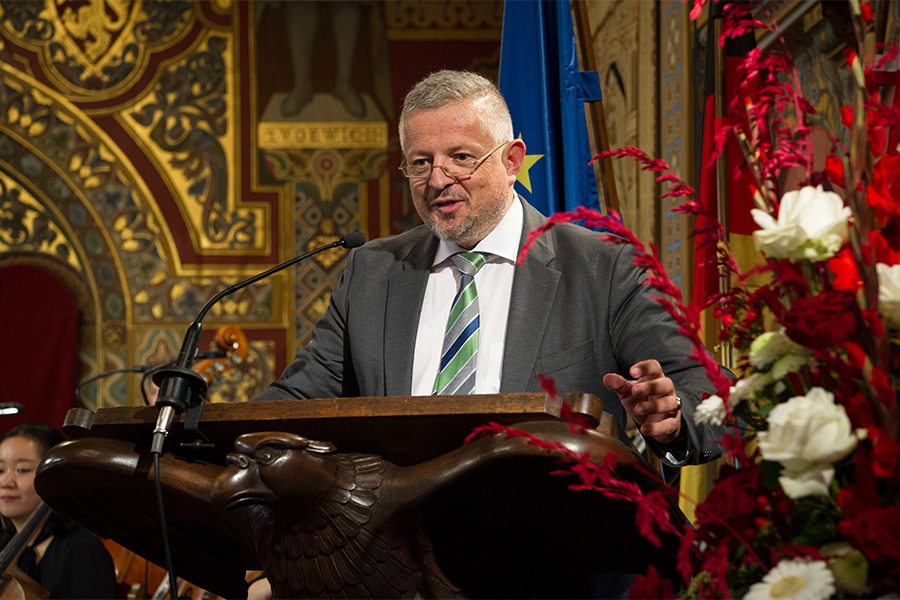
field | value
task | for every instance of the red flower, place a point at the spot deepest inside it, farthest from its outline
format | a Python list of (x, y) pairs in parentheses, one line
[(884, 253), (827, 319), (859, 408), (847, 111), (885, 454), (846, 274), (860, 495), (876, 533), (882, 386), (548, 384), (884, 193), (866, 10), (651, 586), (834, 170)]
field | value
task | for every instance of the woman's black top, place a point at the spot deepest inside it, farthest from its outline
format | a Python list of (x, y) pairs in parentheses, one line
[(76, 564)]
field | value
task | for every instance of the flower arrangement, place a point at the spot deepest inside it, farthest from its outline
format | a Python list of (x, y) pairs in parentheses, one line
[(808, 505)]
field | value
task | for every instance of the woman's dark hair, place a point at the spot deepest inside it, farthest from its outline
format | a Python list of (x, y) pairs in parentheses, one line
[(45, 436)]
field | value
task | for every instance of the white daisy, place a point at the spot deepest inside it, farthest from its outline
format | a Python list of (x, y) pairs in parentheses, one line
[(794, 579)]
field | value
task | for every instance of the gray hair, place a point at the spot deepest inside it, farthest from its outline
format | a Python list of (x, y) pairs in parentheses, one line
[(445, 88)]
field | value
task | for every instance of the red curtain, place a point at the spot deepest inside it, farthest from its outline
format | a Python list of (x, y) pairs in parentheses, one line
[(39, 356)]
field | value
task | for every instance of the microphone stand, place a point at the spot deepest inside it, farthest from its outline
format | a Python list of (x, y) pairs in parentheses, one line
[(181, 388)]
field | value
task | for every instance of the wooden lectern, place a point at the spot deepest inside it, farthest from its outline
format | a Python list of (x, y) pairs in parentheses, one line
[(361, 497)]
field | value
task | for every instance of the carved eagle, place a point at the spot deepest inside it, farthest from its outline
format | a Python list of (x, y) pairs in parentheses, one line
[(329, 525), (483, 520)]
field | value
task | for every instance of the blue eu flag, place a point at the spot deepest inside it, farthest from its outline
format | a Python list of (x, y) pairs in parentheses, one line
[(545, 91)]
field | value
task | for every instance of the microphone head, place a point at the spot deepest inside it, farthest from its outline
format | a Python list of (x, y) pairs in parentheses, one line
[(353, 239)]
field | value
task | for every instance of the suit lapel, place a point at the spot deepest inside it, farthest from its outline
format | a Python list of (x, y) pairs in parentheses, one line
[(405, 293), (533, 293)]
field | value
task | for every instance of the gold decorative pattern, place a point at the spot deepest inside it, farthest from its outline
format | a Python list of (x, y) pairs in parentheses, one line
[(327, 168), (98, 48), (27, 226), (91, 26), (188, 127), (114, 335)]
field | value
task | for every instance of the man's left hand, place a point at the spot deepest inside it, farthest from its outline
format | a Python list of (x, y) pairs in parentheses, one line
[(649, 398)]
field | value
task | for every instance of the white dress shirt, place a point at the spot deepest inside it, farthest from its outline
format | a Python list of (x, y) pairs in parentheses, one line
[(494, 285)]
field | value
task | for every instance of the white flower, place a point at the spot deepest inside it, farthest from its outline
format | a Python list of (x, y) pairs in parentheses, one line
[(711, 410), (794, 579), (811, 225), (807, 434), (777, 349), (744, 387), (889, 293)]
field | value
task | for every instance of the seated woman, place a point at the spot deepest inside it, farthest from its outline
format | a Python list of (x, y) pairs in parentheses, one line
[(65, 559)]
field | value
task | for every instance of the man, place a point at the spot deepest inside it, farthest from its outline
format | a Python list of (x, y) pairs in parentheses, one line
[(576, 311)]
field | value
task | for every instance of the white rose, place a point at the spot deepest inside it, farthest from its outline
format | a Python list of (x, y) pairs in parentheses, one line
[(807, 435), (889, 293), (811, 225)]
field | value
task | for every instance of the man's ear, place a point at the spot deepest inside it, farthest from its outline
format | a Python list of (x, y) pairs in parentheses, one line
[(515, 154)]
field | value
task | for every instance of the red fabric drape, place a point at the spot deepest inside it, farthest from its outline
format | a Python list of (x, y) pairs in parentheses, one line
[(740, 199), (39, 333)]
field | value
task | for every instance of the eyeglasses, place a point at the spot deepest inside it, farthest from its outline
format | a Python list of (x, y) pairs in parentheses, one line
[(420, 169)]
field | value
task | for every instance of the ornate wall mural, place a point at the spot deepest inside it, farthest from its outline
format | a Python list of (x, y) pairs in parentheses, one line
[(626, 49), (159, 151)]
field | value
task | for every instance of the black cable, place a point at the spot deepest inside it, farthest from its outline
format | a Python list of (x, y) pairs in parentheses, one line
[(173, 582), (146, 370), (80, 403)]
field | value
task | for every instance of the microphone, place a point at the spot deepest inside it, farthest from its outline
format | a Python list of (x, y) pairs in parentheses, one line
[(11, 408), (180, 386)]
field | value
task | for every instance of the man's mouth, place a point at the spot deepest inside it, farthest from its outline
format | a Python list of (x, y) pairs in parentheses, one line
[(446, 205)]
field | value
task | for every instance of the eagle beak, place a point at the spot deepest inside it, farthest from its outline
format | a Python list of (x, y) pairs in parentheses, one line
[(239, 460)]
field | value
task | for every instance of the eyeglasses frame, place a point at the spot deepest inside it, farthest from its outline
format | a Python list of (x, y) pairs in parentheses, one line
[(444, 169)]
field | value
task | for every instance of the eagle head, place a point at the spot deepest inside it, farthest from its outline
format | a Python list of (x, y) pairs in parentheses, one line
[(275, 467)]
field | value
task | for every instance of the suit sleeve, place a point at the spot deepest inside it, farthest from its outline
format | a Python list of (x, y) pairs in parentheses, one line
[(641, 329), (324, 368)]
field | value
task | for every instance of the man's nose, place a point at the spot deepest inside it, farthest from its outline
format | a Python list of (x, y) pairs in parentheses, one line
[(439, 180)]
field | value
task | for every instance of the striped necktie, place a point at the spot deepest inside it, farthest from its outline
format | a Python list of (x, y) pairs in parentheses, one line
[(460, 350)]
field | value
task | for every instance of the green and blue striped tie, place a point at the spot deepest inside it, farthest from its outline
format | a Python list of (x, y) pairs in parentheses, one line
[(460, 350)]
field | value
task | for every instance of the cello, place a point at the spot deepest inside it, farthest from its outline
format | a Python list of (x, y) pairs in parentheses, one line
[(16, 584)]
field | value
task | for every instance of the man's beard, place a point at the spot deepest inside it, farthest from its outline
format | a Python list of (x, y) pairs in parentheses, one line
[(468, 233)]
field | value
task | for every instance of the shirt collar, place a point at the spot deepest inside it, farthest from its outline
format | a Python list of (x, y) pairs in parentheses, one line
[(503, 241)]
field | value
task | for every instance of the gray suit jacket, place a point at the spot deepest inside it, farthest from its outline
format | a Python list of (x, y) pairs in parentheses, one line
[(578, 311)]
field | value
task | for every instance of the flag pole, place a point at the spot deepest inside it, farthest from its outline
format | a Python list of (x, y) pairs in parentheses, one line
[(726, 355), (598, 117)]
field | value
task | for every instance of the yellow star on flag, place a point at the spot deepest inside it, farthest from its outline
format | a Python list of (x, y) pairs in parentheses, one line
[(524, 177)]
